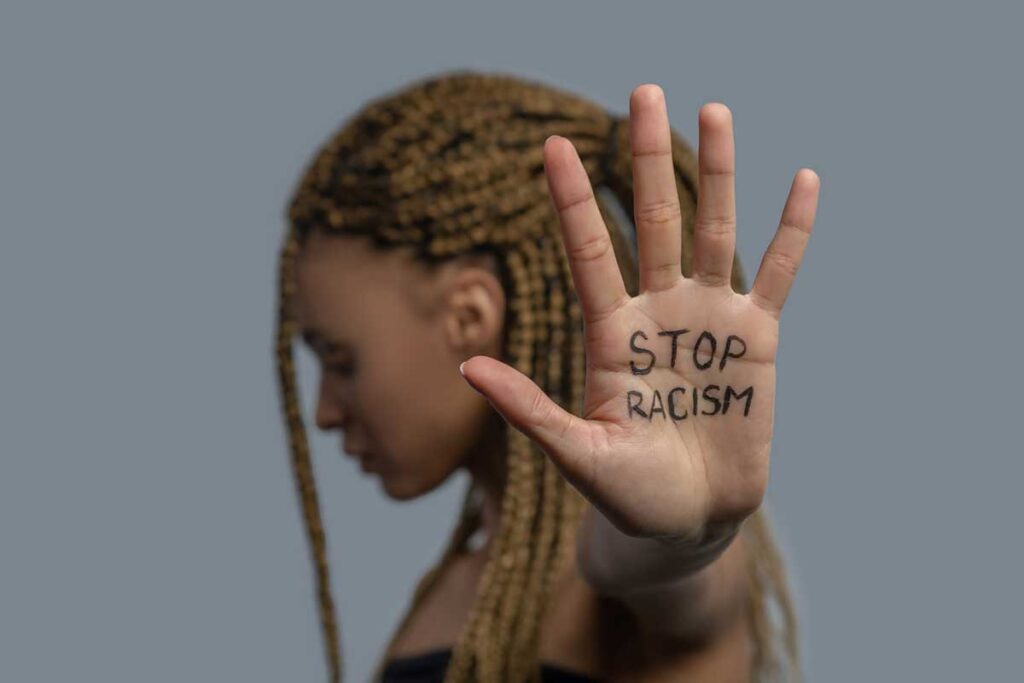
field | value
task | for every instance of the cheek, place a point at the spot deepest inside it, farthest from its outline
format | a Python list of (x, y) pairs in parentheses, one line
[(418, 410)]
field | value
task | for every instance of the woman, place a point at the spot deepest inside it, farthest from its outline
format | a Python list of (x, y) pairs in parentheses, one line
[(615, 417)]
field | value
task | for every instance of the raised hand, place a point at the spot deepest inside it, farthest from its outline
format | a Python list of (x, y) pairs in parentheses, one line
[(677, 419)]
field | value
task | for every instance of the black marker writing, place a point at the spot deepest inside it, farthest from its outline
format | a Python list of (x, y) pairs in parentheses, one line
[(656, 405), (714, 399), (730, 393), (711, 398), (672, 404), (635, 407), (706, 345), (714, 344), (708, 397), (728, 345), (632, 344), (675, 337)]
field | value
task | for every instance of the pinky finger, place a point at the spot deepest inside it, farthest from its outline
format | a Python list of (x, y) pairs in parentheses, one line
[(781, 260)]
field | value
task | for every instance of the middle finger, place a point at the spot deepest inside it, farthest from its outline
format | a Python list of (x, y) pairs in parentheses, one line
[(655, 197), (714, 228)]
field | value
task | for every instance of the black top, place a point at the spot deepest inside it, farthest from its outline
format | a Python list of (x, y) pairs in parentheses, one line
[(430, 667)]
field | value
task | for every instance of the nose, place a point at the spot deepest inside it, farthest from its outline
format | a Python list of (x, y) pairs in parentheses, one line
[(330, 411)]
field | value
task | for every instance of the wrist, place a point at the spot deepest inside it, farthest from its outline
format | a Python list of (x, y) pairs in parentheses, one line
[(693, 553), (615, 563), (712, 536)]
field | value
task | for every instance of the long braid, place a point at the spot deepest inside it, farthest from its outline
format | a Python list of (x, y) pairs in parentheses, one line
[(539, 580), (452, 165), (515, 594), (301, 465), (491, 626)]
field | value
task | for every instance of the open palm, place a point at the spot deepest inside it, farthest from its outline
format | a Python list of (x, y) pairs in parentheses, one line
[(676, 427)]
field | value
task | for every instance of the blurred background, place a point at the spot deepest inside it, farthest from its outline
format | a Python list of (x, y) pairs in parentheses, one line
[(149, 528)]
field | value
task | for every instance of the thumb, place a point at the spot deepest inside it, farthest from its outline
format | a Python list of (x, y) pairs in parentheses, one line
[(565, 437)]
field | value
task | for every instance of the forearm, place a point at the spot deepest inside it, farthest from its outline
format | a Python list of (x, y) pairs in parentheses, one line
[(680, 592)]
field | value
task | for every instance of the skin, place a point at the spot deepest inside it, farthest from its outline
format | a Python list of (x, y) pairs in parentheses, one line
[(389, 334), (390, 385), (667, 497), (671, 479)]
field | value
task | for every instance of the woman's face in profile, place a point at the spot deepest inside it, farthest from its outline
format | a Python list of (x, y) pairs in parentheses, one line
[(389, 378)]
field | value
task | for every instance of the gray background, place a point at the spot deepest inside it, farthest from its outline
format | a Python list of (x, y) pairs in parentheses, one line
[(148, 525)]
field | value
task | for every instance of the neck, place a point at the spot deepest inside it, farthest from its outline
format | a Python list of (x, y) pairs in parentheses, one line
[(489, 470)]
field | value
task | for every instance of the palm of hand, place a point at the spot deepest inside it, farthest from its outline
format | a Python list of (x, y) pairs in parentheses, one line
[(676, 427), (677, 439)]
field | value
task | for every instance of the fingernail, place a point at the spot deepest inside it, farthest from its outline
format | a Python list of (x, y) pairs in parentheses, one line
[(461, 371)]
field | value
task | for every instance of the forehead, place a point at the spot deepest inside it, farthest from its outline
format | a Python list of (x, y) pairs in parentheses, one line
[(342, 280)]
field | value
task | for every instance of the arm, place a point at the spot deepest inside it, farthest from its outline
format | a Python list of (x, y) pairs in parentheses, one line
[(675, 428), (680, 593)]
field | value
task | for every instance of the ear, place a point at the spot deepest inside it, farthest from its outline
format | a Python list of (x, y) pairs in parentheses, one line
[(474, 312)]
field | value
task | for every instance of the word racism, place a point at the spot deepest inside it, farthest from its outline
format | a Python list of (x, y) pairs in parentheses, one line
[(680, 402)]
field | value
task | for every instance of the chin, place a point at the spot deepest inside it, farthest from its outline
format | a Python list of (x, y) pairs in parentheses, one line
[(398, 493), (400, 490)]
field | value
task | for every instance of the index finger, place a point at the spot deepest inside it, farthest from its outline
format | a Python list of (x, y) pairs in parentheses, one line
[(595, 272)]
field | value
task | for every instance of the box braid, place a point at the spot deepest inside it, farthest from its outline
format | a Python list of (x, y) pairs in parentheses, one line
[(452, 165)]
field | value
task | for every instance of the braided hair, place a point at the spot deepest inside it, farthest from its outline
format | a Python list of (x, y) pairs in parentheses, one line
[(452, 165)]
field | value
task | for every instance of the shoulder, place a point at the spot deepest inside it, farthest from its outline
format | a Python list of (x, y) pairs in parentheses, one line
[(600, 635), (728, 658)]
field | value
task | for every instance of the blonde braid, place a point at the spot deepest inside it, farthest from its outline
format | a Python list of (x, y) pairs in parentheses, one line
[(540, 579), (301, 465)]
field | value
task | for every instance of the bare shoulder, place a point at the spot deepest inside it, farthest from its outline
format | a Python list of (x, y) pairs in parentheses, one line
[(582, 631), (727, 658), (598, 635), (725, 655), (439, 620)]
